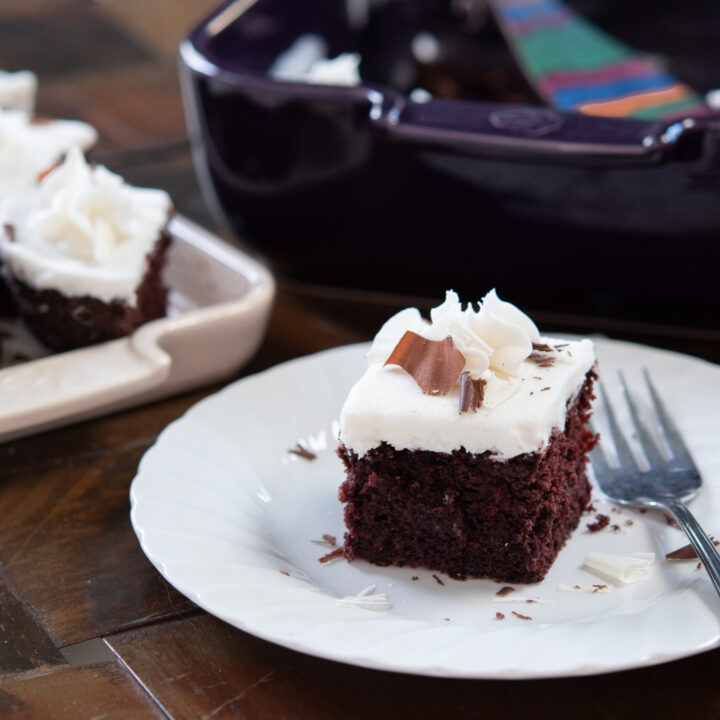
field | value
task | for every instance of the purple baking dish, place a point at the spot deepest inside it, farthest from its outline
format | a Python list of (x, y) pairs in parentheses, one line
[(363, 187)]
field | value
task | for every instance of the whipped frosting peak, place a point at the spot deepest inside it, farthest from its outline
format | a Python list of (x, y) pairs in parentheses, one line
[(497, 337), (90, 214), (18, 90), (29, 147), (86, 232)]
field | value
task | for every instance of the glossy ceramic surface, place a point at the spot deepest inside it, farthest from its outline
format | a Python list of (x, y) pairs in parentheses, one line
[(361, 187)]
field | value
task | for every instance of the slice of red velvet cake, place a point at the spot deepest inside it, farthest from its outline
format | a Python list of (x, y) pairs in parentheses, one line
[(83, 256), (465, 443)]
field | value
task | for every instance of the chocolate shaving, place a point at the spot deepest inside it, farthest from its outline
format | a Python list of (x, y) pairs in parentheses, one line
[(327, 540), (560, 346), (438, 580), (42, 175), (698, 566), (336, 553), (544, 389), (522, 617), (414, 577), (302, 452), (435, 365), (499, 616), (502, 592), (472, 393), (285, 572), (9, 231), (615, 528), (629, 523), (541, 360), (601, 521), (670, 520), (599, 587), (542, 347), (686, 552)]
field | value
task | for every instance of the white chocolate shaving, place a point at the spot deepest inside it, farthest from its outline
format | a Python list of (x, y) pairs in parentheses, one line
[(367, 599), (627, 568)]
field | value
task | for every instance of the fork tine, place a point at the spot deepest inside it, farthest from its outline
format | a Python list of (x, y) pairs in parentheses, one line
[(597, 456), (649, 445), (623, 451), (672, 434)]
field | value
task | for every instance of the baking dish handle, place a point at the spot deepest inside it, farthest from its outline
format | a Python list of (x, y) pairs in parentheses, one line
[(74, 384), (514, 130)]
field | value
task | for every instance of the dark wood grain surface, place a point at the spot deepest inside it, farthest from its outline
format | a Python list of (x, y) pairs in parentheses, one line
[(72, 575)]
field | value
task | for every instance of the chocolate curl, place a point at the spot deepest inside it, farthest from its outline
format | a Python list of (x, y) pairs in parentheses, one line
[(686, 552), (472, 393), (435, 365)]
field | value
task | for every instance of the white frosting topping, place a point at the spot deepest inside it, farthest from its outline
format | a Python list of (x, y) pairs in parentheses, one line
[(628, 568), (29, 148), (18, 90), (523, 401), (86, 232), (306, 61)]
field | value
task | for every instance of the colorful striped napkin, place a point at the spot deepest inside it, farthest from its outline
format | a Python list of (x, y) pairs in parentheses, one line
[(576, 66)]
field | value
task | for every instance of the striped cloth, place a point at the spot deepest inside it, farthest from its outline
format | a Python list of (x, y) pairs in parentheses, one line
[(576, 66)]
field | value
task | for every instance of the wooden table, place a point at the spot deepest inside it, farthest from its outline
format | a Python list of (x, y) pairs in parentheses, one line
[(88, 628)]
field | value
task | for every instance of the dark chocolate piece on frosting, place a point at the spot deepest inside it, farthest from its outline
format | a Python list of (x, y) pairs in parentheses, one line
[(541, 360), (522, 617), (435, 365), (502, 592), (541, 347), (472, 393), (9, 231), (438, 580)]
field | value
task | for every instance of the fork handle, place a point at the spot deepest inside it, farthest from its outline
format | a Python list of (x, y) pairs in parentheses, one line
[(704, 546)]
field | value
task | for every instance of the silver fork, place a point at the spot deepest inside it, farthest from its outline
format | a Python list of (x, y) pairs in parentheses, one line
[(668, 484)]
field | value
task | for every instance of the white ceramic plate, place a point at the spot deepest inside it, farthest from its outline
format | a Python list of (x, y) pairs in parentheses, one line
[(227, 515)]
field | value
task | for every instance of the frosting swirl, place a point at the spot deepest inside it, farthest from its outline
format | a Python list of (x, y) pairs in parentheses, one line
[(86, 232), (29, 148), (17, 90), (498, 337)]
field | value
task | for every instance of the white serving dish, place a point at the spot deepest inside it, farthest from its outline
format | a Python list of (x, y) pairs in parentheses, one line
[(219, 304)]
